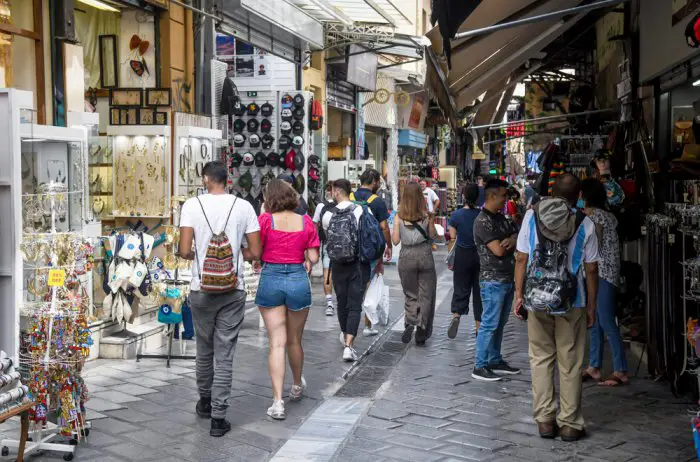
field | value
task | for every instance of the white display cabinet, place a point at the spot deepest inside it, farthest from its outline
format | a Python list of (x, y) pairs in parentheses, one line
[(195, 146), (141, 180)]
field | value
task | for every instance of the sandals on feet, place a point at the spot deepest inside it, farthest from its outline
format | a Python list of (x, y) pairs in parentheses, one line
[(586, 376), (616, 381)]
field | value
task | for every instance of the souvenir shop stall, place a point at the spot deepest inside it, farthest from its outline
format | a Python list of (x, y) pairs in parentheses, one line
[(44, 277)]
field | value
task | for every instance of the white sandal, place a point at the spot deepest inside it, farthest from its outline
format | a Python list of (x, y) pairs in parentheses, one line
[(276, 411)]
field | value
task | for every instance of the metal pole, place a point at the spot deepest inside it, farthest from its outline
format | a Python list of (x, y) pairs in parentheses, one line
[(537, 18), (541, 119), (197, 10)]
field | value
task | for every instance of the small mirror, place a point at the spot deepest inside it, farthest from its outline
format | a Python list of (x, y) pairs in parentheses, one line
[(108, 61)]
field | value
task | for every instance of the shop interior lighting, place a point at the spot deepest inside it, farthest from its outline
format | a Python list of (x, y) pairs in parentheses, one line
[(100, 5), (696, 83)]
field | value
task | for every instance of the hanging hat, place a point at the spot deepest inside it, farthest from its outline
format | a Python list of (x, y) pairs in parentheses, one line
[(314, 160), (286, 177), (253, 125), (298, 141), (285, 142), (299, 100), (260, 159), (287, 101), (236, 160), (254, 140), (267, 109), (248, 159), (253, 109), (282, 160), (273, 159), (298, 128), (286, 127), (238, 109), (314, 174), (313, 185), (265, 126), (299, 113), (299, 161), (267, 141), (286, 114), (238, 140), (289, 159), (266, 178), (245, 182), (238, 125), (299, 184)]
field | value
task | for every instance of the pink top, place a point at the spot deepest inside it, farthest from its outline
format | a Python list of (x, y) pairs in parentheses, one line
[(286, 247)]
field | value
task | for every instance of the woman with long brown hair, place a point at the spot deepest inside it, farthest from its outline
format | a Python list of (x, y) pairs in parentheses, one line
[(414, 230), (290, 248)]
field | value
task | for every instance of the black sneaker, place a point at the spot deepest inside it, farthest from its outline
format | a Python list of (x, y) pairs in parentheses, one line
[(421, 336), (203, 407), (407, 334), (486, 375), (504, 369), (219, 427), (454, 325)]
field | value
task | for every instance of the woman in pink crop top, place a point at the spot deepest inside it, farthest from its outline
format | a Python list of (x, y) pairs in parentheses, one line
[(290, 247)]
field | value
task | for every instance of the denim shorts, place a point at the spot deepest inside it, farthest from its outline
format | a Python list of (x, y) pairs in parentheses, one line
[(284, 284)]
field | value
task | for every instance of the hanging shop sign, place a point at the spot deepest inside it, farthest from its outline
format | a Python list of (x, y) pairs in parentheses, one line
[(413, 115), (413, 139), (477, 153), (692, 32), (341, 95), (382, 96)]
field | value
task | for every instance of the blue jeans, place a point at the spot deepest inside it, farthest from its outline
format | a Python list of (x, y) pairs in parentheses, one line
[(497, 299), (605, 326)]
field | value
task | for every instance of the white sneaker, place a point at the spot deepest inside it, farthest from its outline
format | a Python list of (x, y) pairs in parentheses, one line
[(370, 332), (330, 311), (276, 411), (297, 391), (342, 338), (349, 354)]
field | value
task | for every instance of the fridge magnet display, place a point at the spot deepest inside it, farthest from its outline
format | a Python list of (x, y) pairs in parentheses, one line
[(109, 77), (158, 97), (126, 97), (147, 116), (161, 118)]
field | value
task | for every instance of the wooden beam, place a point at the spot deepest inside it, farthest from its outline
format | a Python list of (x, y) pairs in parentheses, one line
[(39, 62), (10, 29)]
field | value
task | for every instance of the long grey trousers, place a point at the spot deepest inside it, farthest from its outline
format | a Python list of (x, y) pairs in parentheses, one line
[(419, 282), (217, 322)]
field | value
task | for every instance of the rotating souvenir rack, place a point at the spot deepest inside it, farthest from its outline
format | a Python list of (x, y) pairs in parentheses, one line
[(55, 339), (195, 147), (141, 183)]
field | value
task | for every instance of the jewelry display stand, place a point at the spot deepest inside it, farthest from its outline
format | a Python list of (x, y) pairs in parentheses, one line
[(42, 270), (141, 185), (195, 147)]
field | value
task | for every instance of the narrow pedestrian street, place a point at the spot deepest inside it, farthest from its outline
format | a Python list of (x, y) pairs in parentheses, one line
[(399, 403)]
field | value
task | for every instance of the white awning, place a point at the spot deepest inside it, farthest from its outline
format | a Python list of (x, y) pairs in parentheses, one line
[(354, 11)]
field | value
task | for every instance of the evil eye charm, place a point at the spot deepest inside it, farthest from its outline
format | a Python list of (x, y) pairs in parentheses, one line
[(130, 246), (165, 309), (538, 274), (139, 273)]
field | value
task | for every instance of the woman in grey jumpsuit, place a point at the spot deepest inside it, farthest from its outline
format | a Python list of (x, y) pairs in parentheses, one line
[(414, 230)]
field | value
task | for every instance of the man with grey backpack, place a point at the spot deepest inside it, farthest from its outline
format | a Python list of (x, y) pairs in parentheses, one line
[(218, 232), (556, 283)]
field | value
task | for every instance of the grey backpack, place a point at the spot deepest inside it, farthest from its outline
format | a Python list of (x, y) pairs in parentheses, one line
[(342, 235)]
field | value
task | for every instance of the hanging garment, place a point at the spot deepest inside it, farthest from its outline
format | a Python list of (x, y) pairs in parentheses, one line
[(449, 15)]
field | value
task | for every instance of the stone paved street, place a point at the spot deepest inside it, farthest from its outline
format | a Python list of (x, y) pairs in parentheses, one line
[(401, 403)]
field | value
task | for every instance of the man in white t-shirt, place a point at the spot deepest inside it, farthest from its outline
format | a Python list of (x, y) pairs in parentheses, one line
[(347, 276), (431, 198), (217, 316), (560, 338)]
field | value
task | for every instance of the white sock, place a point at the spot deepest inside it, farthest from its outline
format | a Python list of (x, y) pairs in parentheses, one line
[(329, 299)]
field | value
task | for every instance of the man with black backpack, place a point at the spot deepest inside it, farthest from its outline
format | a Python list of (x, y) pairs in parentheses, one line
[(556, 282), (366, 196), (341, 225)]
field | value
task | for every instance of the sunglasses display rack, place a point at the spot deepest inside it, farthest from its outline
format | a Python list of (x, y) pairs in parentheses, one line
[(141, 179), (44, 274), (195, 147)]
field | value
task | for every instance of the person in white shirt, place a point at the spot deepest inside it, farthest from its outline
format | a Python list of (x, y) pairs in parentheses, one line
[(217, 316), (432, 201), (325, 261), (347, 276), (559, 338)]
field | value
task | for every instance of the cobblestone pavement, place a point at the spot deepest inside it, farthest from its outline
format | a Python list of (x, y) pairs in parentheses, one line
[(401, 403), (430, 409)]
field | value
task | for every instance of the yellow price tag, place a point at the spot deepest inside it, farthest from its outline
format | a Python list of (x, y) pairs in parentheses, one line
[(57, 277)]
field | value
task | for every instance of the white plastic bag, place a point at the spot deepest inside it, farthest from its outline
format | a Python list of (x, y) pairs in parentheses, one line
[(373, 298), (384, 306)]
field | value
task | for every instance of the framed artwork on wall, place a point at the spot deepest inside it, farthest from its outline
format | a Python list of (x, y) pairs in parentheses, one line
[(114, 116), (158, 97), (109, 76), (147, 116), (126, 97), (132, 115), (161, 118)]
